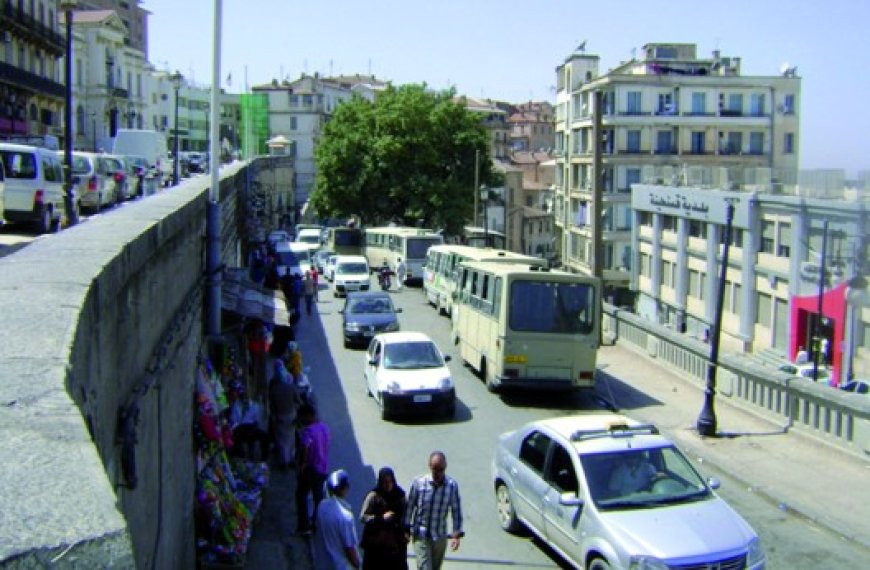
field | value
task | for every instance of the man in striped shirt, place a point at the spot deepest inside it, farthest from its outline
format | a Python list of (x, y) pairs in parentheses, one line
[(430, 497)]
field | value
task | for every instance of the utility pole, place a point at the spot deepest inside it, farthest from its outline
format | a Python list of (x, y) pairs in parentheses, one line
[(476, 184), (817, 336), (597, 187)]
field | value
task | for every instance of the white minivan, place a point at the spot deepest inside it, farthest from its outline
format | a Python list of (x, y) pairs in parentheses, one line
[(34, 186), (149, 144), (351, 274)]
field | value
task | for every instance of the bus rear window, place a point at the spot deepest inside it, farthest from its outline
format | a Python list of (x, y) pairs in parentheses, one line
[(348, 238), (538, 306), (417, 248)]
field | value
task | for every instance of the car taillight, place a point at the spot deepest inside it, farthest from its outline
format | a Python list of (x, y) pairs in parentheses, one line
[(92, 184), (119, 177), (39, 197)]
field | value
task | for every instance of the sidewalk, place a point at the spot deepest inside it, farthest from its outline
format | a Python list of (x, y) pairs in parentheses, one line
[(793, 470)]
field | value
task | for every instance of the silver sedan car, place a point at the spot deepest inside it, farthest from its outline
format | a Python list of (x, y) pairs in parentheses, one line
[(607, 492)]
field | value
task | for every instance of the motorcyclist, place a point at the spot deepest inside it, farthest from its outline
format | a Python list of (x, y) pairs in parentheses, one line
[(384, 275)]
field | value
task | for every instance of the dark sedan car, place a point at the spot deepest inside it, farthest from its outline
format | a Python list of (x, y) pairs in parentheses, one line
[(366, 314)]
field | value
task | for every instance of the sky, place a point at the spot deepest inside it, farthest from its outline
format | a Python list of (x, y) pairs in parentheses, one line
[(509, 49)]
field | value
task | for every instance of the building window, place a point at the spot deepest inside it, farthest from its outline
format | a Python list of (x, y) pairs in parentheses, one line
[(698, 142), (735, 104), (644, 265), (293, 125), (697, 229), (756, 105), (664, 142), (788, 143), (645, 218), (694, 283), (762, 313), (788, 105), (699, 103), (632, 176), (756, 143), (633, 141), (669, 223), (768, 229), (667, 274), (784, 241), (633, 103)]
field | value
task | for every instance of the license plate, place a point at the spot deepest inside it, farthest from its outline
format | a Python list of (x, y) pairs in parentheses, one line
[(368, 333), (421, 398)]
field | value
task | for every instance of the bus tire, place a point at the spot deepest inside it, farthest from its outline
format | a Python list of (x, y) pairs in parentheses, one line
[(484, 374)]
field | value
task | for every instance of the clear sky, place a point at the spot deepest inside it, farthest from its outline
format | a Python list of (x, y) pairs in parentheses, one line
[(509, 49)]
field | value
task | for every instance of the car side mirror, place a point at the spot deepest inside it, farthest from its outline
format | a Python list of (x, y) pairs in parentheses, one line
[(373, 362), (341, 311), (570, 500), (447, 358), (399, 310), (713, 483)]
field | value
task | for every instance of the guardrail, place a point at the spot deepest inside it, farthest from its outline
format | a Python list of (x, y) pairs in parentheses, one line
[(835, 417)]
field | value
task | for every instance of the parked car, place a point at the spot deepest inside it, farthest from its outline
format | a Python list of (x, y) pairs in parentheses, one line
[(196, 162), (34, 186), (149, 144), (292, 258), (351, 274), (329, 270), (102, 177), (607, 492), (806, 371), (406, 372), (320, 259), (365, 314), (141, 177)]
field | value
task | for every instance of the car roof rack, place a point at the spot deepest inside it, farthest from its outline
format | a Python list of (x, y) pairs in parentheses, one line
[(615, 430)]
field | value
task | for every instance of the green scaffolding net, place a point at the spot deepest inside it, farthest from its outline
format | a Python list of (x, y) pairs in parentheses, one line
[(255, 124)]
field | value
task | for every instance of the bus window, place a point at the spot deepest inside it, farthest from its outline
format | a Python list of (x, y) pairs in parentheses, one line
[(550, 307)]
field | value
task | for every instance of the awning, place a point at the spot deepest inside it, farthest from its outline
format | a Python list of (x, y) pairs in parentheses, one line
[(248, 299)]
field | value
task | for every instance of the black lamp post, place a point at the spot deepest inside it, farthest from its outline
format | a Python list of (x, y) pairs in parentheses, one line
[(94, 129), (484, 195), (707, 419), (68, 199), (176, 79)]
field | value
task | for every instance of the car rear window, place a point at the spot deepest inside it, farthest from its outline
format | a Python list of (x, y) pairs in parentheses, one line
[(21, 165)]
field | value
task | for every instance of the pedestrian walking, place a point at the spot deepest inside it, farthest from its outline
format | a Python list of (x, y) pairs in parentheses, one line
[(335, 537), (401, 273), (247, 423), (315, 275), (430, 498), (297, 293), (383, 537), (283, 404), (312, 461), (308, 291)]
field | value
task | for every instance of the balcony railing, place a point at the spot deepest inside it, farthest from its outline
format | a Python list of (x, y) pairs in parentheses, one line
[(28, 25), (30, 81), (666, 150)]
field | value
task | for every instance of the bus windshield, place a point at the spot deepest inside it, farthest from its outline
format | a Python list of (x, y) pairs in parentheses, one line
[(348, 237), (417, 247), (539, 306)]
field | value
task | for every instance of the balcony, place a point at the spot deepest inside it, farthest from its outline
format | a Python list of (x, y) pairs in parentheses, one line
[(31, 81), (631, 151), (118, 93), (32, 30), (666, 150)]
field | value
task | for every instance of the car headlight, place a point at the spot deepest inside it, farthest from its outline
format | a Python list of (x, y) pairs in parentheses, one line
[(646, 563), (394, 388), (389, 327), (755, 552), (352, 326), (445, 384)]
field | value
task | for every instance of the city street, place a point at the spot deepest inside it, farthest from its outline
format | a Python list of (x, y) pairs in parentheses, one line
[(363, 443)]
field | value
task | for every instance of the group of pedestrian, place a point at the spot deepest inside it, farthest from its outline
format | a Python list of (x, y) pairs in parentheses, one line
[(391, 520)]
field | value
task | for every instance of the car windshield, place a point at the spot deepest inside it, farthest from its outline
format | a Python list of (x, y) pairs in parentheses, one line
[(411, 356), (309, 239), (348, 268), (365, 306), (632, 478)]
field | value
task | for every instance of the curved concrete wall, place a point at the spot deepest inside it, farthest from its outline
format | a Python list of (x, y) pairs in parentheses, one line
[(104, 316)]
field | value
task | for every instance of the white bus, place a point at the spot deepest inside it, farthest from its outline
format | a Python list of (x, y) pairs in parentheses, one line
[(391, 243), (441, 272), (526, 326), (482, 237)]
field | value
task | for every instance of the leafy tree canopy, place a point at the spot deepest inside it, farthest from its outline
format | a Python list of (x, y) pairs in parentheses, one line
[(407, 157)]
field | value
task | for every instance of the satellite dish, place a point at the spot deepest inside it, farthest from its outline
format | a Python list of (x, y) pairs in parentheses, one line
[(581, 47), (784, 68)]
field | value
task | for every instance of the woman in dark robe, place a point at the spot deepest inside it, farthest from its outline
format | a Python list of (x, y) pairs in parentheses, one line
[(383, 539)]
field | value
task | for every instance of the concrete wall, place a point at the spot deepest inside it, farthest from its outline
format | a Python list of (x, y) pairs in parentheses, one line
[(106, 316)]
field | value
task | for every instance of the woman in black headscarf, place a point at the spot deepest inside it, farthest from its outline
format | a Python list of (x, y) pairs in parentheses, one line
[(383, 539)]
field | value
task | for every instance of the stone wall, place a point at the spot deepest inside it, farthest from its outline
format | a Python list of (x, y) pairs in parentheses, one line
[(102, 318)]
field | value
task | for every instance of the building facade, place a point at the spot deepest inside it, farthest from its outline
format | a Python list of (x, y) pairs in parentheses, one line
[(666, 116), (31, 72), (531, 127), (133, 16), (772, 288)]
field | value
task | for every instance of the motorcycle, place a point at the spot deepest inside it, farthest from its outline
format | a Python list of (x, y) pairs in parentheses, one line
[(384, 279)]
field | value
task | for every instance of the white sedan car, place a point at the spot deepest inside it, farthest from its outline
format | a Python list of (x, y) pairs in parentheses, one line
[(407, 373)]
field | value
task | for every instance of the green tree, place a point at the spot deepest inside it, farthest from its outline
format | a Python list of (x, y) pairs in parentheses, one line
[(407, 157)]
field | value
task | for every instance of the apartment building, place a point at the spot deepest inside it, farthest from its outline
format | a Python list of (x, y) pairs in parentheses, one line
[(531, 127), (299, 109), (772, 287), (662, 116), (31, 72), (133, 16), (494, 117)]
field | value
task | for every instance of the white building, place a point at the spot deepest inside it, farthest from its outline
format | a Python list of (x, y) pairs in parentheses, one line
[(663, 116)]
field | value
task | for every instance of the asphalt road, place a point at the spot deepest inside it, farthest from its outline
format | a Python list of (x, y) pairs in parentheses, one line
[(363, 443)]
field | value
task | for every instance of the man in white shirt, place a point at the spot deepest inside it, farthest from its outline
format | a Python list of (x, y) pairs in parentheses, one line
[(335, 538), (634, 473), (401, 273)]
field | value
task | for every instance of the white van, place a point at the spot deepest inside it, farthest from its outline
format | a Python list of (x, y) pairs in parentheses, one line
[(309, 237), (293, 258), (149, 144), (34, 186), (351, 274)]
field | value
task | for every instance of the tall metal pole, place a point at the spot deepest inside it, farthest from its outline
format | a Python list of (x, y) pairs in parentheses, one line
[(68, 198), (476, 184), (485, 192), (213, 220), (707, 419), (175, 140), (817, 340), (597, 187)]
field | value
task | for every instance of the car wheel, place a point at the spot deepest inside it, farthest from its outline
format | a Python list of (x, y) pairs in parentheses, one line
[(504, 506), (346, 343), (368, 390), (385, 414), (599, 564), (43, 224)]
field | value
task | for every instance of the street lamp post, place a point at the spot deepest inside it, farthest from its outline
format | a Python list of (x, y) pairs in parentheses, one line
[(707, 419), (68, 199), (176, 79), (94, 129), (484, 195)]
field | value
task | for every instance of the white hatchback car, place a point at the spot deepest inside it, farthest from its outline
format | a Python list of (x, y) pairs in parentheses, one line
[(351, 273), (607, 492), (406, 372)]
